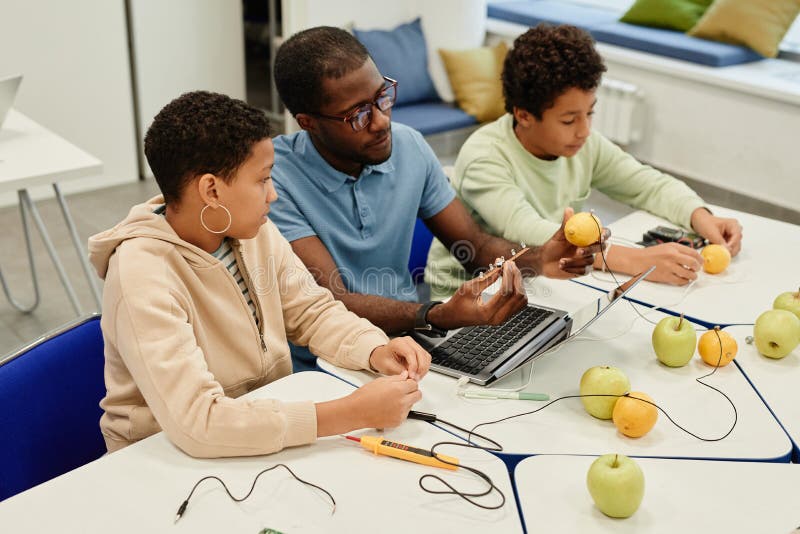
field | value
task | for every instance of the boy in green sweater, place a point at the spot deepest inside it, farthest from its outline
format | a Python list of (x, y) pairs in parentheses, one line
[(517, 174)]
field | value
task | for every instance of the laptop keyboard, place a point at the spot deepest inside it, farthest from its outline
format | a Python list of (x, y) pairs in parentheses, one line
[(471, 349)]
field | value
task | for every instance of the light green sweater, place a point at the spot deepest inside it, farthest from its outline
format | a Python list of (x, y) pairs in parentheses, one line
[(513, 194)]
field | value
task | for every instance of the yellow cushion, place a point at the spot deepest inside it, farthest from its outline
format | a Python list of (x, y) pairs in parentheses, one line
[(759, 24), (475, 78)]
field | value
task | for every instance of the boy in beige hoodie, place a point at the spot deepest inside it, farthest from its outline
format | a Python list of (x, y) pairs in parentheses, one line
[(202, 292)]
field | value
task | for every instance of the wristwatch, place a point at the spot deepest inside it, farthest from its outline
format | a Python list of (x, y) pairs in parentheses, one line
[(421, 323)]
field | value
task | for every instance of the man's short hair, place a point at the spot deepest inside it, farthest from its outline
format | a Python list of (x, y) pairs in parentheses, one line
[(201, 132), (547, 61), (305, 59)]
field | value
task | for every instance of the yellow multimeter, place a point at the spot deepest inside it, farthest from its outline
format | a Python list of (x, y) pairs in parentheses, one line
[(378, 445)]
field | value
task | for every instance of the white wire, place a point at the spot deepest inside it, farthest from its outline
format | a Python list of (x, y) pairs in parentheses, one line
[(461, 389)]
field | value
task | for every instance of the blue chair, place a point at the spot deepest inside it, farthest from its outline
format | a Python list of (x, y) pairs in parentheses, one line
[(49, 406), (420, 245)]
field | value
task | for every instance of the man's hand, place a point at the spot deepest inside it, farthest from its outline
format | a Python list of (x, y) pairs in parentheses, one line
[(561, 259), (466, 307), (399, 355), (718, 230)]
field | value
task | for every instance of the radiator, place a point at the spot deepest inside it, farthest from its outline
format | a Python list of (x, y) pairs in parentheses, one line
[(619, 111)]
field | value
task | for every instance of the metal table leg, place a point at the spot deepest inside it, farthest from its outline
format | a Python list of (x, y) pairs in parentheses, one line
[(21, 307), (25, 200), (82, 255)]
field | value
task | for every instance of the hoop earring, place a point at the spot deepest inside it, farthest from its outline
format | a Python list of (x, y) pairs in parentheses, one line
[(202, 222)]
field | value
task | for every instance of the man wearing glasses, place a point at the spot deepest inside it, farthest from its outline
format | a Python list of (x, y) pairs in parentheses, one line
[(351, 185)]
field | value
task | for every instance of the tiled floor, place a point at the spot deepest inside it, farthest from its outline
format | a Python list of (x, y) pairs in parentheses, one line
[(98, 210)]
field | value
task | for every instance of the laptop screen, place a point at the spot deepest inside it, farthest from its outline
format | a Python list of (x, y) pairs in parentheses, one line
[(585, 316), (8, 90)]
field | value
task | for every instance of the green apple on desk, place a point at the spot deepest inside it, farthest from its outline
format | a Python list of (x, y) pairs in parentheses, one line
[(788, 301), (616, 484), (602, 380), (674, 340), (776, 333)]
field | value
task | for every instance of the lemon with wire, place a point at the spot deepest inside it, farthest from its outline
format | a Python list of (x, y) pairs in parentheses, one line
[(583, 229)]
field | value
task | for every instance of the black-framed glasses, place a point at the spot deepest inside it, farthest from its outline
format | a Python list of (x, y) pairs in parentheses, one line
[(361, 116)]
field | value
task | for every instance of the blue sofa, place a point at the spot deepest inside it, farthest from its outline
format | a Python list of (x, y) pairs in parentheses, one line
[(605, 28), (432, 117)]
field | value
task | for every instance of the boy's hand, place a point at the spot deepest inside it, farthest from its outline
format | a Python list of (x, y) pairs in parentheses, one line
[(718, 230), (401, 354), (561, 259), (467, 308), (676, 264), (385, 402)]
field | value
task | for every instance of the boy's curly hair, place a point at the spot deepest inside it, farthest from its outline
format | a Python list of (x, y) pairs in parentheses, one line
[(545, 62), (201, 132)]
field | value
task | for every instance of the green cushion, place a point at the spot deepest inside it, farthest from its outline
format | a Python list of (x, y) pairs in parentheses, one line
[(679, 15)]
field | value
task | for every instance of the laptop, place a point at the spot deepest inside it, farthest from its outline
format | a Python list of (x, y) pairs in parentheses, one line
[(487, 353), (8, 91)]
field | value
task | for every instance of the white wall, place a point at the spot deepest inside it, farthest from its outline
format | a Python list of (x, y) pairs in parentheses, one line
[(449, 24), (730, 138), (185, 45), (74, 57)]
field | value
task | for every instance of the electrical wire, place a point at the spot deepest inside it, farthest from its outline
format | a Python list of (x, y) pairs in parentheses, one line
[(185, 503), (496, 447)]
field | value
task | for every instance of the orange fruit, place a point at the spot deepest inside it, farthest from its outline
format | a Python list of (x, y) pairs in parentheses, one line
[(708, 347), (716, 259), (633, 417), (583, 229)]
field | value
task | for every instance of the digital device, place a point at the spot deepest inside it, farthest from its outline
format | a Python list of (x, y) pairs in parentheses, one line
[(8, 91), (486, 353), (665, 234)]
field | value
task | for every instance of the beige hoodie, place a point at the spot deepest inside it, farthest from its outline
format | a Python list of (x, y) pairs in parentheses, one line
[(181, 343)]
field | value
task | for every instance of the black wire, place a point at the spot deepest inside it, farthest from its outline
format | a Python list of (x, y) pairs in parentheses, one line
[(182, 508), (496, 447), (469, 497), (699, 380)]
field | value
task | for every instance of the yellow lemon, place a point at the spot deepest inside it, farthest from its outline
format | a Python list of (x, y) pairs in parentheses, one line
[(633, 417), (716, 259), (708, 347), (583, 229)]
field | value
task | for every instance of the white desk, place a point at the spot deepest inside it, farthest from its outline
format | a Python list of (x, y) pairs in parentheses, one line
[(139, 489), (775, 380), (679, 496), (565, 428), (763, 269), (31, 155)]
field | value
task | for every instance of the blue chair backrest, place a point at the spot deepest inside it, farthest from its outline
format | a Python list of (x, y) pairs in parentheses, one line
[(49, 406), (420, 244)]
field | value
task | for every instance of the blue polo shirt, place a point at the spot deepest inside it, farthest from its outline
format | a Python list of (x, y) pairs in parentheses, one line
[(366, 223)]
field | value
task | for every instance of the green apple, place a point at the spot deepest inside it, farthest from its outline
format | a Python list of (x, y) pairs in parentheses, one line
[(603, 380), (674, 341), (776, 333), (616, 483), (788, 301)]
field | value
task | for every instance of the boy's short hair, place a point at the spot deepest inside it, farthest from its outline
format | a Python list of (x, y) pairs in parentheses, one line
[(201, 132), (547, 61), (310, 56)]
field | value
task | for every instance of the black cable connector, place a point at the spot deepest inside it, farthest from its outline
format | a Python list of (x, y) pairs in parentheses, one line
[(422, 416), (181, 510)]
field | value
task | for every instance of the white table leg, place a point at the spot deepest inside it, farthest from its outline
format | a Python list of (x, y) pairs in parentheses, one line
[(82, 255)]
